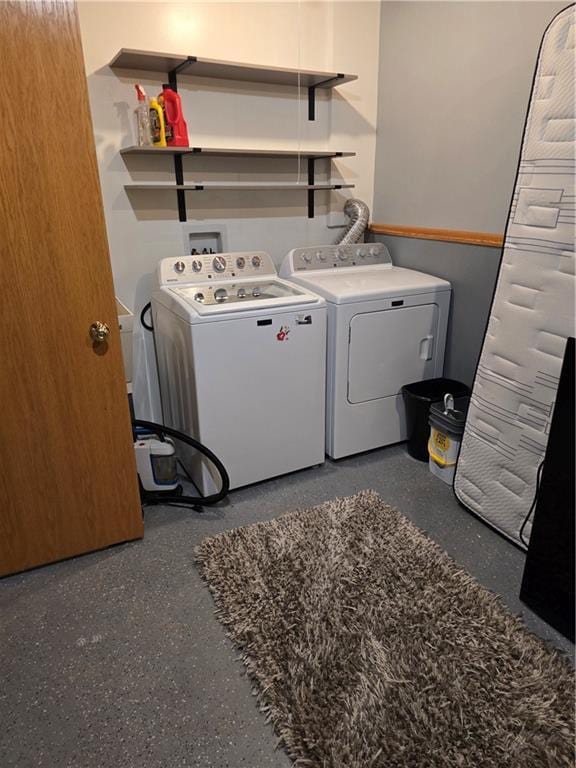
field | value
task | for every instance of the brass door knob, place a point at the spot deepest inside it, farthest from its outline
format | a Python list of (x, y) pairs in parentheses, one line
[(99, 331)]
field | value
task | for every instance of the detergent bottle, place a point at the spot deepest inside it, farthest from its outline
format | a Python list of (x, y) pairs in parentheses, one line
[(176, 129), (143, 118), (157, 125)]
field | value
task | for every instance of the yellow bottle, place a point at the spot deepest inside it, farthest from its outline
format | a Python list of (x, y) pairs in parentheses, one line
[(157, 124)]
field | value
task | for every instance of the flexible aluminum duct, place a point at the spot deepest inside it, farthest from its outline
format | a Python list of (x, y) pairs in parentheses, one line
[(359, 215)]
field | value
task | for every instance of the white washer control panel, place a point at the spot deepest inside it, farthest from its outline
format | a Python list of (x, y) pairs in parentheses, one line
[(214, 266), (337, 256)]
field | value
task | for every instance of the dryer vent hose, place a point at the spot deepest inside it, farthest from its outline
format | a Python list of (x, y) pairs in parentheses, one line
[(359, 215)]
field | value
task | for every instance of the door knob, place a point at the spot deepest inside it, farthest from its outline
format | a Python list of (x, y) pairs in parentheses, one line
[(99, 331)]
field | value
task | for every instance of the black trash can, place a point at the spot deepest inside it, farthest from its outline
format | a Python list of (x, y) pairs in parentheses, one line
[(418, 398)]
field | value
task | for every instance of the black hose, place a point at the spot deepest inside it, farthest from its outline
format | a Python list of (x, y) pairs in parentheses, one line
[(533, 505), (193, 501), (149, 327)]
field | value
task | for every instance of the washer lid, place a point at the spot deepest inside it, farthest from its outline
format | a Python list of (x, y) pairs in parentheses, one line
[(223, 298), (344, 286)]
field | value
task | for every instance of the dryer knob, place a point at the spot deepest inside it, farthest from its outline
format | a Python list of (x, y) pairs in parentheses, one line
[(374, 252), (342, 255), (360, 254), (179, 267), (221, 294), (196, 265), (219, 263), (321, 255), (307, 256), (256, 261)]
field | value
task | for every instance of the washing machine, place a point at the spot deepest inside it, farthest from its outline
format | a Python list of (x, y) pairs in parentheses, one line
[(386, 327), (242, 363)]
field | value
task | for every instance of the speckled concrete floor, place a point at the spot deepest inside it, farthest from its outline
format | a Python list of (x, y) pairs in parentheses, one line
[(116, 660)]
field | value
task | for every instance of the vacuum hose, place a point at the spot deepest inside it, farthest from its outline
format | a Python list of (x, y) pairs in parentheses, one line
[(146, 307), (163, 497), (359, 214)]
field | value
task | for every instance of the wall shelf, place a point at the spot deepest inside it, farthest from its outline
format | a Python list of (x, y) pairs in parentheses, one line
[(216, 152), (178, 153), (174, 65), (240, 186), (181, 190)]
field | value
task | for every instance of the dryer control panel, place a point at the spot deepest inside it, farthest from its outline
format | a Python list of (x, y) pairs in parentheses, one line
[(215, 266), (335, 256)]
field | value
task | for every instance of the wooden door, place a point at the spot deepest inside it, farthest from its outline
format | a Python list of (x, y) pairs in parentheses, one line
[(68, 480)]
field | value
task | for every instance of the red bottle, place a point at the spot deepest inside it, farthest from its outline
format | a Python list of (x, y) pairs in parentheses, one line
[(176, 129)]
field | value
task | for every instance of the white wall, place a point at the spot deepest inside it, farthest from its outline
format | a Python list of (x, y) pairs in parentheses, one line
[(454, 85), (144, 227)]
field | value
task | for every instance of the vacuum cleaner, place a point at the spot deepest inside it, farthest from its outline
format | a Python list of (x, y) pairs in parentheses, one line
[(158, 466)]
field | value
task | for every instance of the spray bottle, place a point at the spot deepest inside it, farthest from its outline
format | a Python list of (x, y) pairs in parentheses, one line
[(143, 118)]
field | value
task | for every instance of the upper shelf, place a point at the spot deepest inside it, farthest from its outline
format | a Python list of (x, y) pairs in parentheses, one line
[(217, 152), (149, 61)]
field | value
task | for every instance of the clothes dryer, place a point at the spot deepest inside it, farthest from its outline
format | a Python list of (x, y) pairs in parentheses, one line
[(386, 328)]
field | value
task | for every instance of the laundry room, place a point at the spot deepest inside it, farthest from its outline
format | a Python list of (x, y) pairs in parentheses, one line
[(288, 365)]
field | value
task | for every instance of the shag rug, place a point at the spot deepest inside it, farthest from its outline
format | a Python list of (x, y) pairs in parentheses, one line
[(370, 647)]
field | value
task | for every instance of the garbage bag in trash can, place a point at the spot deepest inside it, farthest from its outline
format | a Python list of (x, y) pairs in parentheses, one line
[(418, 397)]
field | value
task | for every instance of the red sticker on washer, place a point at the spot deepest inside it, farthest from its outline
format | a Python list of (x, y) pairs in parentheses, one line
[(282, 334)]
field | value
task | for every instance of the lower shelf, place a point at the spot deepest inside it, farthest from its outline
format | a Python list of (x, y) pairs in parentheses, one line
[(180, 189), (237, 187)]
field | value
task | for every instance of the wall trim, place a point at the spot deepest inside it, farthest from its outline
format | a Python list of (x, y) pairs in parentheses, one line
[(490, 239)]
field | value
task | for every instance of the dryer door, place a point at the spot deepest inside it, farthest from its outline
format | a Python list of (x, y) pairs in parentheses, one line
[(390, 348)]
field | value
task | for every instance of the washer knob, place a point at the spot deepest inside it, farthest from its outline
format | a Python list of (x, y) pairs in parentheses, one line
[(219, 263), (179, 267), (220, 294), (256, 261), (196, 265), (342, 255), (360, 253), (256, 291), (199, 297), (240, 262), (307, 256), (241, 293), (321, 255), (374, 252)]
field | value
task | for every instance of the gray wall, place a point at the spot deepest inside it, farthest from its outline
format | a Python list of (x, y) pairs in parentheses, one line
[(454, 85), (453, 93), (472, 270)]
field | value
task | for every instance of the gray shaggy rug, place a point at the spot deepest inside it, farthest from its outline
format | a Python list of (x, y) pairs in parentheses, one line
[(370, 647)]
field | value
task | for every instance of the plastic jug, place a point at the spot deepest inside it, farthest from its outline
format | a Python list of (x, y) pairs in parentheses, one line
[(175, 125), (157, 124)]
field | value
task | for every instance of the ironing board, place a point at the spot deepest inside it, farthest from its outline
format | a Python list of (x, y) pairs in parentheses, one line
[(532, 312)]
